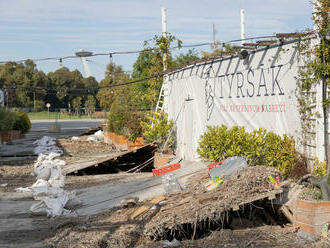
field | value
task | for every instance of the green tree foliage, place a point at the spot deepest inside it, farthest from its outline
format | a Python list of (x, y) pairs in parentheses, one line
[(26, 86), (217, 50), (160, 129), (150, 63), (77, 103), (90, 105), (114, 75), (21, 82), (22, 122), (258, 147), (185, 58)]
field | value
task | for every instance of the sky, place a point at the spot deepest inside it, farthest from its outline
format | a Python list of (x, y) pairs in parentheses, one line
[(58, 28)]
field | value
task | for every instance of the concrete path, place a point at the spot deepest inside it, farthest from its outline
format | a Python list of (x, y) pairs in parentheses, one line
[(18, 228), (100, 198)]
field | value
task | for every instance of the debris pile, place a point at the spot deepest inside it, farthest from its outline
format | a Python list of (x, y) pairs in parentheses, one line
[(197, 206), (50, 180)]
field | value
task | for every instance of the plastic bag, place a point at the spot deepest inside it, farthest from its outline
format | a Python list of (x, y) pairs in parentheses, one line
[(171, 184), (229, 167)]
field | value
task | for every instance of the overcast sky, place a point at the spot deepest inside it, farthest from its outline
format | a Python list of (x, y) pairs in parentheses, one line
[(47, 28)]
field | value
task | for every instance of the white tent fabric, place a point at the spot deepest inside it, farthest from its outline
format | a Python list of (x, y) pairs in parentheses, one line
[(256, 92)]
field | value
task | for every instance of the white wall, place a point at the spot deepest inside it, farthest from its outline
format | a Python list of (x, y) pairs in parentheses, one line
[(259, 91)]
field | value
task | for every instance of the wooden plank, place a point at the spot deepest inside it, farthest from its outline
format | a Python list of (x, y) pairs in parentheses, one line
[(80, 165), (147, 206)]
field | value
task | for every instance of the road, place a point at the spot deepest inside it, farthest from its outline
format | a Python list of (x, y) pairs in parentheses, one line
[(25, 146)]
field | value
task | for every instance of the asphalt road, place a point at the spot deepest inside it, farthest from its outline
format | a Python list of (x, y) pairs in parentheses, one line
[(39, 129)]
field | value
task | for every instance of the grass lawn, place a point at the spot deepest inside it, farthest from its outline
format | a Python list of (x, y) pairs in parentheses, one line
[(52, 115)]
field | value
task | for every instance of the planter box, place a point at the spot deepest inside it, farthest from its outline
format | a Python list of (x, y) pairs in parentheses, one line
[(136, 144), (162, 159), (121, 142), (9, 136), (108, 137), (310, 216)]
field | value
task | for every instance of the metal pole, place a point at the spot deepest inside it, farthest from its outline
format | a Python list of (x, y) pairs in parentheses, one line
[(325, 107), (34, 102), (163, 10), (214, 34), (242, 26)]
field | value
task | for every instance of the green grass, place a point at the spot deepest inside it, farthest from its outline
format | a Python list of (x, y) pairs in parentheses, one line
[(52, 115)]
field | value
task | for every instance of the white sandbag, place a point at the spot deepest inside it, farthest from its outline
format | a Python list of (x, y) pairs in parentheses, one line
[(73, 200), (20, 189), (40, 192), (92, 138), (46, 145), (43, 173), (55, 206), (57, 179), (99, 135), (50, 180), (40, 183), (38, 208)]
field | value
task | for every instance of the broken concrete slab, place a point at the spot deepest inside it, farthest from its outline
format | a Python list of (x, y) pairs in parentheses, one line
[(100, 198), (95, 161)]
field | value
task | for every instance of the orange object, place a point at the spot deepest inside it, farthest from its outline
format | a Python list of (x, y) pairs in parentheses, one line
[(214, 165), (166, 169)]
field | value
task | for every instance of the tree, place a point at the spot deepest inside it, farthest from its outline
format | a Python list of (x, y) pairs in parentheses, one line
[(65, 86), (185, 58), (150, 63), (217, 51), (114, 75), (76, 104), (90, 105), (23, 83)]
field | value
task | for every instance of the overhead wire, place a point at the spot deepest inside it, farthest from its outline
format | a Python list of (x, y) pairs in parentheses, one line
[(90, 90), (133, 51)]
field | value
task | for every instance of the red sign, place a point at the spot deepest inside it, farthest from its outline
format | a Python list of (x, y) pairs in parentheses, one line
[(48, 105)]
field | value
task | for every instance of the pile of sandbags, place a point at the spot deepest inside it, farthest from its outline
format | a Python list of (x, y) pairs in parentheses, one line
[(53, 200)]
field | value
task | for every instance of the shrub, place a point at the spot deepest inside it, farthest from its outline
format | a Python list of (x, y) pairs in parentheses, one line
[(258, 147), (22, 122), (157, 128), (7, 119), (319, 168)]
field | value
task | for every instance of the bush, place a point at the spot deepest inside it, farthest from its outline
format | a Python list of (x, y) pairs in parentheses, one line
[(7, 119), (258, 147), (157, 128), (319, 168), (22, 122)]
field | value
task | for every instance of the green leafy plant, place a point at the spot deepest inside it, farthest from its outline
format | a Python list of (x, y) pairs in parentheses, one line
[(22, 122), (319, 168), (157, 128), (258, 147), (7, 119)]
